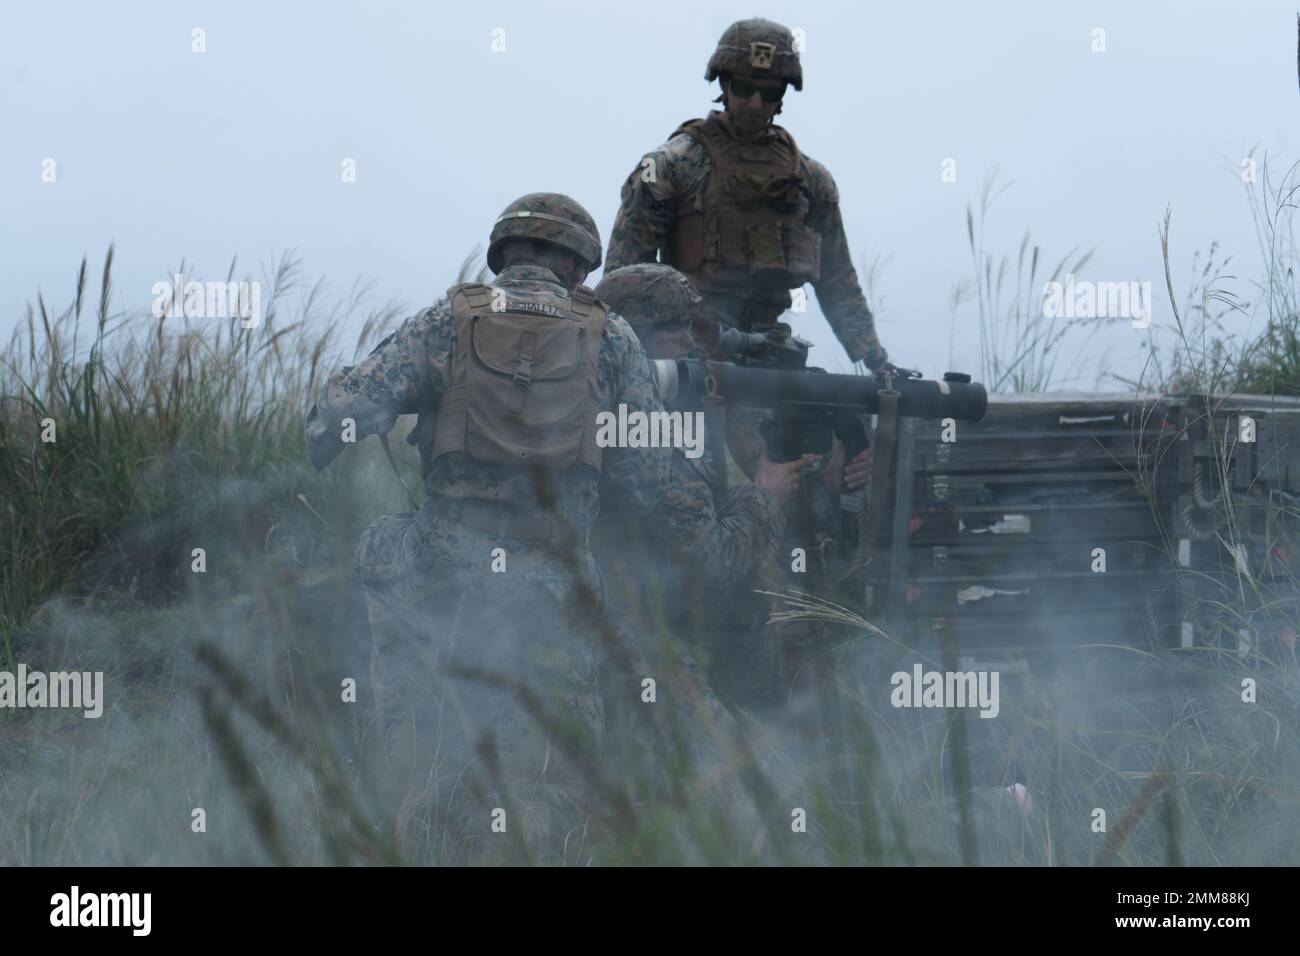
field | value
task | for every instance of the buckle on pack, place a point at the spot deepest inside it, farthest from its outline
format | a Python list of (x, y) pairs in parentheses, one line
[(761, 54), (524, 372)]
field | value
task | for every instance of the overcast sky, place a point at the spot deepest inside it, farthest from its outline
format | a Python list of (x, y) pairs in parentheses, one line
[(238, 150)]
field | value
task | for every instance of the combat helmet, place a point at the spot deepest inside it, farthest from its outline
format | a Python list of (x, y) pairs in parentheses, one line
[(757, 49), (649, 293), (549, 217)]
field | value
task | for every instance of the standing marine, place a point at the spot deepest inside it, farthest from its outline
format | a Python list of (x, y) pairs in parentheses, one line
[(732, 202)]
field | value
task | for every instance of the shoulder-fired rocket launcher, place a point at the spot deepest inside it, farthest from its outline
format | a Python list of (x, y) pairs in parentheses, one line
[(770, 371)]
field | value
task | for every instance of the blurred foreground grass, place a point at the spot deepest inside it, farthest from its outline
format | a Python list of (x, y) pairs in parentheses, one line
[(223, 688)]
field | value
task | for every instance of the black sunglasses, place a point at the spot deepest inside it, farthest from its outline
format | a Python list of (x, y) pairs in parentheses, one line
[(770, 94)]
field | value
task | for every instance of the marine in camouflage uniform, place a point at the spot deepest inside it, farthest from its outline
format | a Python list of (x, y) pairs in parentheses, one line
[(731, 201), (683, 576), (490, 587), (770, 225)]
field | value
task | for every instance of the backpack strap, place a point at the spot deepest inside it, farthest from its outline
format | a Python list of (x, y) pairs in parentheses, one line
[(581, 299), (592, 313), (467, 300)]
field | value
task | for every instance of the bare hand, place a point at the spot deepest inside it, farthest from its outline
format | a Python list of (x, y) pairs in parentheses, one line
[(783, 478), (839, 479), (858, 472)]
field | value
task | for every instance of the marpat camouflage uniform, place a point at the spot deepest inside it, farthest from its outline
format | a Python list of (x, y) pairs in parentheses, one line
[(684, 572), (698, 553), (415, 361), (677, 174), (436, 604)]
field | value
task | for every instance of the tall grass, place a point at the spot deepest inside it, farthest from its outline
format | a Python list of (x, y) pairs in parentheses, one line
[(1021, 348), (1201, 351), (1270, 364), (224, 687), (117, 459)]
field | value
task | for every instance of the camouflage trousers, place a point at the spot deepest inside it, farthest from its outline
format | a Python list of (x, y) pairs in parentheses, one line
[(485, 686)]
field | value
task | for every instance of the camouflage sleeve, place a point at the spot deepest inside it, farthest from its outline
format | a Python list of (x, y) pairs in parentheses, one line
[(723, 547), (405, 371), (645, 215), (838, 290), (641, 474)]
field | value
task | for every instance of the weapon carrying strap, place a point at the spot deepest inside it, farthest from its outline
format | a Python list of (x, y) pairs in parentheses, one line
[(882, 468)]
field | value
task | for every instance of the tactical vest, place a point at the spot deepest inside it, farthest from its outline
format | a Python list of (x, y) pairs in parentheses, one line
[(525, 385), (751, 227)]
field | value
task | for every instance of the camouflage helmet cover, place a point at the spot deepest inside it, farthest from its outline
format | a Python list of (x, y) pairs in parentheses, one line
[(759, 49), (649, 293), (547, 217)]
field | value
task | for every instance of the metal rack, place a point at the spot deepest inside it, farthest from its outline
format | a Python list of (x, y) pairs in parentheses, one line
[(1066, 519)]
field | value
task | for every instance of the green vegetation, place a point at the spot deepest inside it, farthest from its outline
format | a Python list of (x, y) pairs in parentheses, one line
[(223, 687)]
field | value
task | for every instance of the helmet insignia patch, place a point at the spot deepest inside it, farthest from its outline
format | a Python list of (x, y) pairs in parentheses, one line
[(761, 54)]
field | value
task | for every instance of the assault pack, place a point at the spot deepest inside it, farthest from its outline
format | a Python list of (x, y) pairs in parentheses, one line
[(525, 389)]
